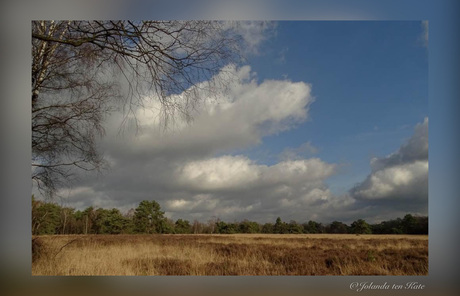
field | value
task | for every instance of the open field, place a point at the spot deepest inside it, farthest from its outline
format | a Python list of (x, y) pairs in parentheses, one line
[(239, 254)]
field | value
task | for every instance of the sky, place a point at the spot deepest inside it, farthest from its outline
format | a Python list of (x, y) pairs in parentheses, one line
[(326, 121)]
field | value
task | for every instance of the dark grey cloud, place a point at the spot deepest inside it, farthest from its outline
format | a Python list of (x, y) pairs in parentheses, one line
[(416, 149), (398, 181)]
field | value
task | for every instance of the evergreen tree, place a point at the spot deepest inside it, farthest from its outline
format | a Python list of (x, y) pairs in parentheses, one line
[(294, 228), (337, 227), (148, 218), (182, 226), (360, 227), (267, 228), (46, 218), (280, 226)]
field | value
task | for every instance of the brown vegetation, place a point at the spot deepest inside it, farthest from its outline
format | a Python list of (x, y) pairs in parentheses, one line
[(240, 254)]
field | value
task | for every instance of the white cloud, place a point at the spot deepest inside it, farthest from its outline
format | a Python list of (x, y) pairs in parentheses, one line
[(303, 151), (234, 119), (238, 173), (198, 202), (305, 171), (238, 188), (228, 187), (253, 33), (316, 194), (226, 172), (396, 182)]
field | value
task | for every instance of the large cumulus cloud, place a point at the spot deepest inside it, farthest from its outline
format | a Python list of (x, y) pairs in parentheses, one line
[(238, 173), (236, 187), (235, 119)]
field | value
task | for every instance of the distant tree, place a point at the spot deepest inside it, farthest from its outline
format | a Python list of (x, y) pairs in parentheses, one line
[(211, 225), (89, 216), (394, 226), (67, 220), (409, 224), (81, 219), (247, 226), (233, 227), (182, 226), (46, 218), (168, 226), (388, 227), (116, 222), (360, 227), (221, 227), (99, 225), (422, 225), (227, 228), (128, 221), (148, 218), (197, 227), (267, 228), (130, 213), (337, 227), (312, 227), (294, 228), (280, 226), (36, 219)]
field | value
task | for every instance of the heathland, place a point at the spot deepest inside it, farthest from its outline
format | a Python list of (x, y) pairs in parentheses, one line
[(231, 255)]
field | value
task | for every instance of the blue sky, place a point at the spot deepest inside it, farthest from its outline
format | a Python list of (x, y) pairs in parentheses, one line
[(324, 121), (369, 80)]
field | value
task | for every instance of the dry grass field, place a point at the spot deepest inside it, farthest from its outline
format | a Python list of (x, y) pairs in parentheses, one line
[(240, 254)]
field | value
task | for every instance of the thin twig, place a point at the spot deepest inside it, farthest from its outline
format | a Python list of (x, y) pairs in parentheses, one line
[(64, 247)]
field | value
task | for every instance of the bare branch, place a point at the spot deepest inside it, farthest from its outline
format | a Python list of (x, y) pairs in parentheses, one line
[(81, 69)]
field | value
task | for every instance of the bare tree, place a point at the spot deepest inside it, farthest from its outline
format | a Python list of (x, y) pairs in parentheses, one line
[(212, 224), (197, 227), (76, 71)]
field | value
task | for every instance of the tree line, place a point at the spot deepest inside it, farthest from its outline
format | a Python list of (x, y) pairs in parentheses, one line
[(51, 218)]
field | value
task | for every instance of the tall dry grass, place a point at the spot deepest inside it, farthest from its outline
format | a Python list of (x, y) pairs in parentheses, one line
[(230, 255)]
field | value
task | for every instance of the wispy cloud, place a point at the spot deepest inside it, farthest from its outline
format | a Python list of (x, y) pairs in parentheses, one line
[(282, 55), (253, 33), (303, 151), (425, 33)]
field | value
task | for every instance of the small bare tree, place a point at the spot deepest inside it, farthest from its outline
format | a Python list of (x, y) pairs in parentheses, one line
[(76, 71)]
